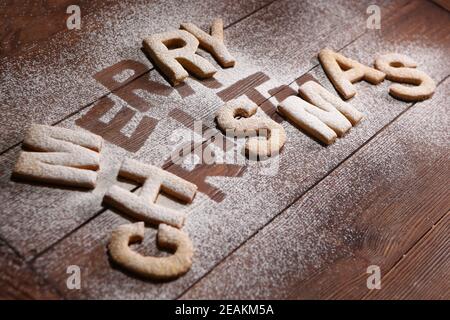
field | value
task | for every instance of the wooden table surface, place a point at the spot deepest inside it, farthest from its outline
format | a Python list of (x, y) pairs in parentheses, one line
[(304, 225)]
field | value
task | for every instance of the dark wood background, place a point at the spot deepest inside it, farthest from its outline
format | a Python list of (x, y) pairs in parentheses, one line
[(378, 196)]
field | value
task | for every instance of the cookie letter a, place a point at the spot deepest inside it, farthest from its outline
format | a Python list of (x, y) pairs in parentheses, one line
[(399, 68), (343, 72), (61, 156), (212, 43), (323, 115), (250, 125), (158, 268), (174, 51), (153, 179)]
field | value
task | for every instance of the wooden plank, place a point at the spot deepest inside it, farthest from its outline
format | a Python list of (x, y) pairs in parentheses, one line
[(18, 280), (369, 211), (26, 26), (58, 211), (53, 82), (443, 3), (254, 199), (76, 207), (424, 272)]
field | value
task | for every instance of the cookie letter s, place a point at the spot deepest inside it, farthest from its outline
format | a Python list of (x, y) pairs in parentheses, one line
[(174, 51), (250, 125), (400, 68), (60, 156)]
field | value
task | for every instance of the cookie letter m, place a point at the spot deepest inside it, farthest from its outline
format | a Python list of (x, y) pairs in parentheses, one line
[(59, 156)]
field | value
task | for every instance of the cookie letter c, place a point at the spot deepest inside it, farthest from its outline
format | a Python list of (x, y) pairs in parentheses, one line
[(158, 268)]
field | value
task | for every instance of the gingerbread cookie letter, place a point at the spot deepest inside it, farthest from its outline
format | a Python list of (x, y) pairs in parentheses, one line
[(343, 72), (250, 125), (61, 156), (324, 116), (399, 68), (153, 179), (212, 43), (174, 51), (159, 268)]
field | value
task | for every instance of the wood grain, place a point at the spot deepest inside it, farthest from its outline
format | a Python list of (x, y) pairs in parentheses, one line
[(424, 272), (369, 211), (49, 84), (215, 233), (18, 280), (229, 210), (26, 26), (59, 212)]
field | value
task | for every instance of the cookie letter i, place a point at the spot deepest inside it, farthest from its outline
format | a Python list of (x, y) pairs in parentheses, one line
[(59, 156), (323, 115), (343, 72), (174, 51), (153, 179)]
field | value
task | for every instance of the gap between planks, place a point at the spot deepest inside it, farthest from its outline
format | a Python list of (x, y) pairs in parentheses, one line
[(414, 246)]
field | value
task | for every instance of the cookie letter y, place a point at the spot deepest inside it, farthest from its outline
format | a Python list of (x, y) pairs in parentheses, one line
[(174, 51), (212, 43)]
